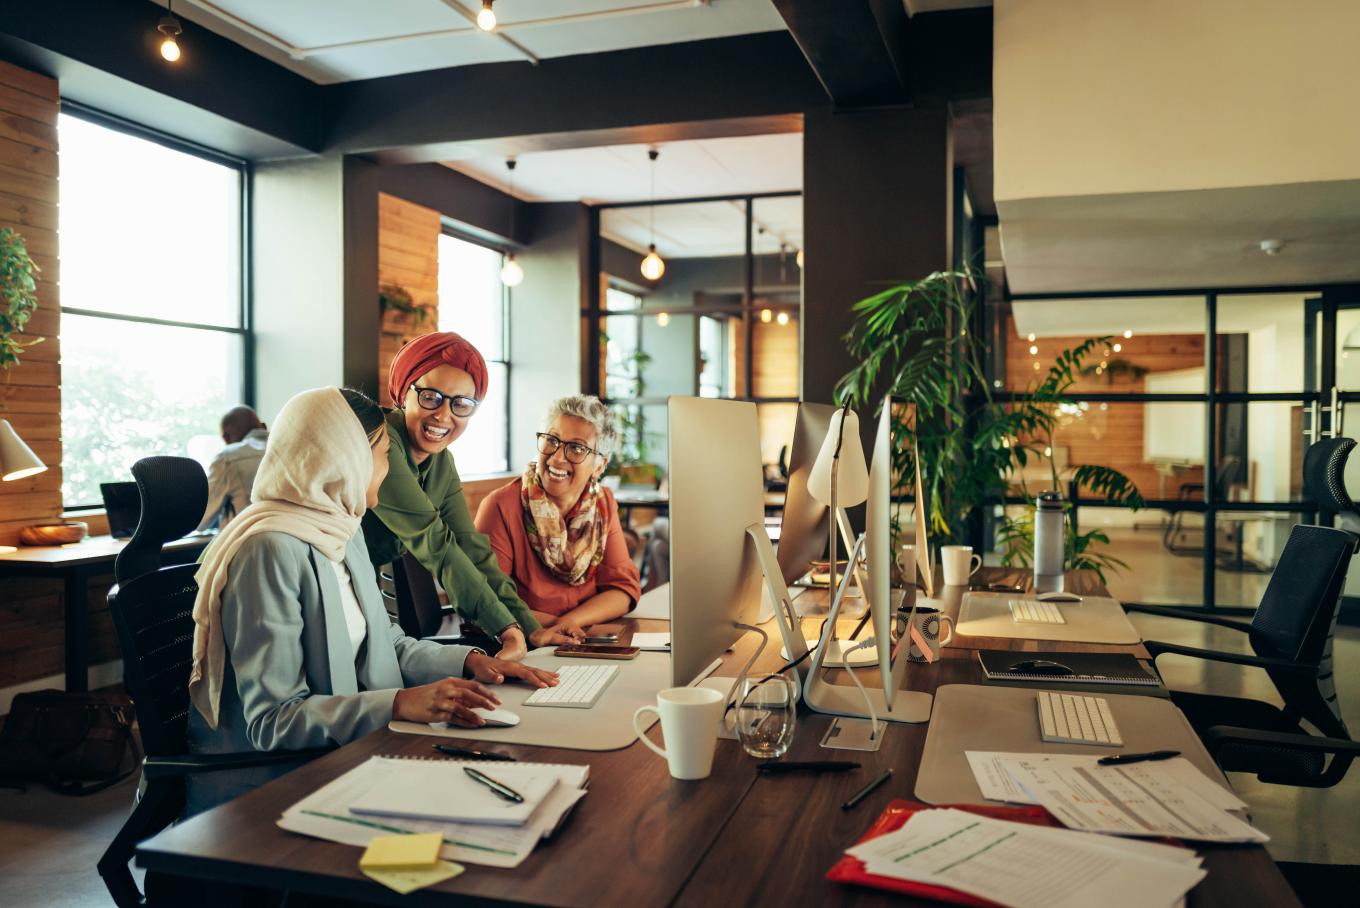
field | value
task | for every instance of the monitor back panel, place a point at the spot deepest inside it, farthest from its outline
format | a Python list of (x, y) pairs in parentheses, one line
[(716, 492), (802, 535)]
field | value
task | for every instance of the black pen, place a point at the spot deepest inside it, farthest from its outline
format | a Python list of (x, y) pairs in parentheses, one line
[(867, 790), (449, 750), (500, 789), (1121, 759), (812, 766)]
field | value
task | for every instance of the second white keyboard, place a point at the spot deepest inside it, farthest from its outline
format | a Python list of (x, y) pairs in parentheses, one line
[(1073, 719), (1035, 611), (578, 686)]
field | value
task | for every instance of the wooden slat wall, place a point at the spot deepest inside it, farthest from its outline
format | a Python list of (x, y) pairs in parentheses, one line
[(30, 393), (1112, 437), (408, 255)]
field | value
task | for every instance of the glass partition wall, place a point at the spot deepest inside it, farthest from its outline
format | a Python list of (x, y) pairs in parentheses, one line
[(721, 320), (1206, 401)]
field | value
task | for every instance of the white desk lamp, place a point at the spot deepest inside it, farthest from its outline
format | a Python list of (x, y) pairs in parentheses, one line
[(17, 460)]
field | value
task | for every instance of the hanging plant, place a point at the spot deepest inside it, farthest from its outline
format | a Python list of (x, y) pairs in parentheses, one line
[(395, 298), (18, 296)]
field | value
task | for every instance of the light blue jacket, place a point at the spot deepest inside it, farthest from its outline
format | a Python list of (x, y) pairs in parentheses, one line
[(290, 681)]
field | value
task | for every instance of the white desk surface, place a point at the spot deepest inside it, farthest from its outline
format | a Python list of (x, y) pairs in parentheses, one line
[(1095, 619)]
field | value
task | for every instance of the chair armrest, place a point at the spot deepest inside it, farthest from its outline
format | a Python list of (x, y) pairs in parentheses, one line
[(191, 764), (1219, 735), (1188, 616), (445, 639), (1156, 648)]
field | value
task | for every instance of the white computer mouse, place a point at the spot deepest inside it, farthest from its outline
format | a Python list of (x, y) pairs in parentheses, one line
[(1055, 596), (498, 718)]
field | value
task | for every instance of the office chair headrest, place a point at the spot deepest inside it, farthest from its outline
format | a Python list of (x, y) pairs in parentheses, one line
[(1324, 480), (174, 493)]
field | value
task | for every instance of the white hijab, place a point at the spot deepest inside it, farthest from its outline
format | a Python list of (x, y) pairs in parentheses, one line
[(311, 484)]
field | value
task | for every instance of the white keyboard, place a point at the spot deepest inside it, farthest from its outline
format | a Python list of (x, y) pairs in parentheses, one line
[(1073, 719), (1035, 611), (578, 686)]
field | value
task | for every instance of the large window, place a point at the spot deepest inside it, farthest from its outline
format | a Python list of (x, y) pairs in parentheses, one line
[(153, 330), (472, 302)]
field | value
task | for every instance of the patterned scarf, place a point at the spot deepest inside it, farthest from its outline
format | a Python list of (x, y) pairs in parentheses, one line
[(572, 548)]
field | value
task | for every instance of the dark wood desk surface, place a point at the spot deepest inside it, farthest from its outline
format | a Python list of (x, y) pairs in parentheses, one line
[(640, 837)]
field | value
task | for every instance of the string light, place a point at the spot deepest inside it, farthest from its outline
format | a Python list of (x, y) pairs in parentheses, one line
[(782, 318), (766, 316)]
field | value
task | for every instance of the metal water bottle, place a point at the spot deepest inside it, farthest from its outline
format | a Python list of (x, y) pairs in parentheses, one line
[(1049, 542)]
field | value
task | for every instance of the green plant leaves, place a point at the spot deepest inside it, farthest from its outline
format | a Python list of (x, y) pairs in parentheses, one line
[(18, 296)]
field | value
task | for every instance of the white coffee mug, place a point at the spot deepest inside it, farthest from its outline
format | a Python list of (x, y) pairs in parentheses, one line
[(689, 724), (959, 564), (928, 623)]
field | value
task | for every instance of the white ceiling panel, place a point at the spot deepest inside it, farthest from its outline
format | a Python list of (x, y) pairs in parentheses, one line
[(341, 40), (621, 173), (706, 229)]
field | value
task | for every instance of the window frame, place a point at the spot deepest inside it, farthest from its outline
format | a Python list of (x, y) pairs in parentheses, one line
[(453, 232), (245, 317)]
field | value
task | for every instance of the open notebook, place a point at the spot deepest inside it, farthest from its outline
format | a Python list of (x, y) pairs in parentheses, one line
[(441, 790)]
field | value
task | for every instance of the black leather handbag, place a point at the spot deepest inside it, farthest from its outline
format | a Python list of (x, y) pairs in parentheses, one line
[(75, 743)]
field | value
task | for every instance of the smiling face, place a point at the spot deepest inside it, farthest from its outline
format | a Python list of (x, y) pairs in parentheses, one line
[(431, 431), (379, 468), (563, 480)]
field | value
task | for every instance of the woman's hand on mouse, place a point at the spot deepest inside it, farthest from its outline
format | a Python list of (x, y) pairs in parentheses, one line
[(451, 700), (491, 670)]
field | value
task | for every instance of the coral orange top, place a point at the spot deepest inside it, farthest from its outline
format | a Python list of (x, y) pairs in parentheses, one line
[(501, 518)]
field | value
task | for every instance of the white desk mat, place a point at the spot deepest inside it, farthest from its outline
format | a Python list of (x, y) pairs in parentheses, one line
[(608, 725), (1095, 619), (1005, 719)]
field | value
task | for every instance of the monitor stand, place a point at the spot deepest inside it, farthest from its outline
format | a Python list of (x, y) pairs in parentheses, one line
[(833, 699)]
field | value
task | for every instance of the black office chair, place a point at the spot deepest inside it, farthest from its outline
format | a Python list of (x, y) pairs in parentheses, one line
[(419, 611), (152, 608), (1291, 638), (1190, 491)]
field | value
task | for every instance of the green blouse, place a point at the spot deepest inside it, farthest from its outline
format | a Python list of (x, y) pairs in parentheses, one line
[(421, 509)]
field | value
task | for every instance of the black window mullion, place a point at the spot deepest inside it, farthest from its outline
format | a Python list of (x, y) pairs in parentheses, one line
[(1210, 451)]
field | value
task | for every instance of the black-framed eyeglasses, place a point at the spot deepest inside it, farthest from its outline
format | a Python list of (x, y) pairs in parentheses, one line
[(576, 452), (430, 399)]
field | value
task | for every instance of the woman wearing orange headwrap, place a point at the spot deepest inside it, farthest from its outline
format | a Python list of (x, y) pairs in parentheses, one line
[(437, 382)]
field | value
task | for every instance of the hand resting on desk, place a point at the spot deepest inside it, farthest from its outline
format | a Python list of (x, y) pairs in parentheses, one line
[(451, 700), (490, 670)]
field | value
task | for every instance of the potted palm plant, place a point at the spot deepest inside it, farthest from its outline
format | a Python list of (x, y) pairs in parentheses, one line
[(912, 340)]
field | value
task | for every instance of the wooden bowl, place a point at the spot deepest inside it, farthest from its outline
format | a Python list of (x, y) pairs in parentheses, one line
[(62, 533)]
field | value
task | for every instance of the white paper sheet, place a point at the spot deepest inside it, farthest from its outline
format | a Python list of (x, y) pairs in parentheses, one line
[(997, 785), (1138, 799), (1026, 866), (653, 643)]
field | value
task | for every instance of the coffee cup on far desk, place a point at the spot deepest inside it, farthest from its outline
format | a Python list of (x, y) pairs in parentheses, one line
[(959, 564), (928, 625), (689, 725)]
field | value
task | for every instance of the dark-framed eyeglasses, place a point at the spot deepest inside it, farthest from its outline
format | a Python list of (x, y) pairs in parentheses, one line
[(430, 399), (575, 453)]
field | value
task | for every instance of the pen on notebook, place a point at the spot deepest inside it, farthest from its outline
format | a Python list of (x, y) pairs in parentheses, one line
[(1120, 759), (867, 790), (505, 792), (450, 751)]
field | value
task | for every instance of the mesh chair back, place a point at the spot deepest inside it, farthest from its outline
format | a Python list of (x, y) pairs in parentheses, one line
[(418, 610), (174, 492), (1324, 477), (1296, 618), (154, 617)]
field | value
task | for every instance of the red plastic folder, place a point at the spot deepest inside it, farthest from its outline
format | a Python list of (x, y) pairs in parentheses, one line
[(851, 870)]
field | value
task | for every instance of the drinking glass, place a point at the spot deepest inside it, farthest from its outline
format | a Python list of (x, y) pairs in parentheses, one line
[(766, 714)]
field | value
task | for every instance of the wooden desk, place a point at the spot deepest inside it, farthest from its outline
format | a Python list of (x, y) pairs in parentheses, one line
[(640, 837), (75, 565)]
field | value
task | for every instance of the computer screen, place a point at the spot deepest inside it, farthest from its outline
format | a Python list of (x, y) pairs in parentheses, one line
[(716, 493)]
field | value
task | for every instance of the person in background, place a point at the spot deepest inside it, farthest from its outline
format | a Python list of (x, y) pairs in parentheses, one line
[(556, 529), (232, 472), (293, 648), (438, 380)]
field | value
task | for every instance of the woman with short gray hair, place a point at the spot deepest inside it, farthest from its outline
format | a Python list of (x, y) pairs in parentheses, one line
[(555, 530)]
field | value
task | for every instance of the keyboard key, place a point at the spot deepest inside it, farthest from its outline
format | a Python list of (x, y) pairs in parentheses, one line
[(1074, 719)]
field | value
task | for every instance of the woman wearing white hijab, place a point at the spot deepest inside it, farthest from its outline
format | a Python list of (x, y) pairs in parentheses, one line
[(292, 645)]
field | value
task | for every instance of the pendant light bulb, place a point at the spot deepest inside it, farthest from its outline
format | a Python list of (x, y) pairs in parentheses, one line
[(169, 27), (799, 258), (652, 266), (511, 273), (486, 17)]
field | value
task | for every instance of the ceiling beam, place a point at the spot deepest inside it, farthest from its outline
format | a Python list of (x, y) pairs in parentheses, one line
[(426, 116), (851, 46)]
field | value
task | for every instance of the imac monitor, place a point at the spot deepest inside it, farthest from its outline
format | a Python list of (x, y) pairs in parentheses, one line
[(802, 534), (716, 494)]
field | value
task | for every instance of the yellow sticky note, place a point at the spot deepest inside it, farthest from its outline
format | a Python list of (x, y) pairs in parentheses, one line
[(404, 881), (402, 852)]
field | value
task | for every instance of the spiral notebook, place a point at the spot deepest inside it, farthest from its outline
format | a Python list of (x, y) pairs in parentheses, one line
[(442, 790), (1085, 668)]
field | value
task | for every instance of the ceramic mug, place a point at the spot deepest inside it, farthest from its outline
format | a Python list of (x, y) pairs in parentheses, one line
[(959, 564), (689, 724), (927, 622)]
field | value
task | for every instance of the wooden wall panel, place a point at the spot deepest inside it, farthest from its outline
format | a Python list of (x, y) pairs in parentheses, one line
[(30, 393), (408, 256)]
